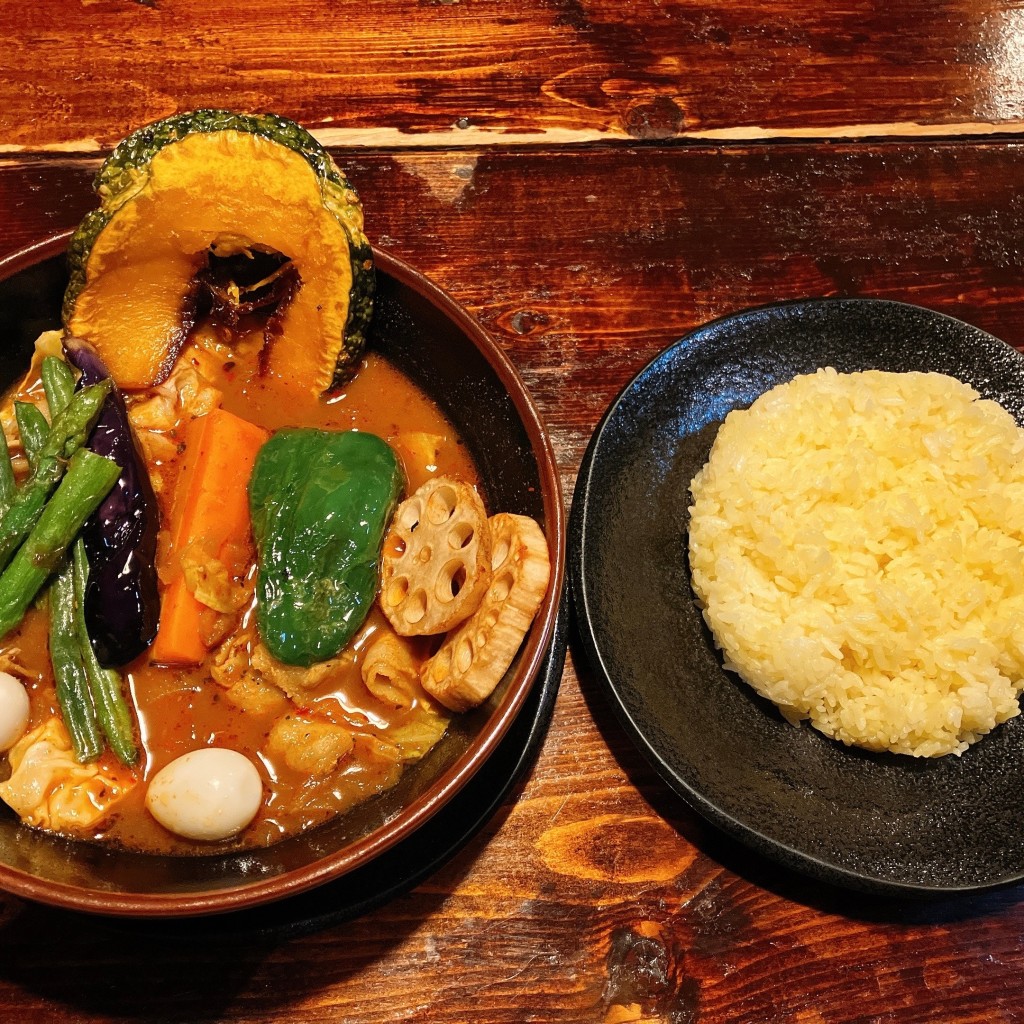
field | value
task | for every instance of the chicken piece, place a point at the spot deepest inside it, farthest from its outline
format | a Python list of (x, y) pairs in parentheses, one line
[(250, 693), (157, 448), (244, 687), (217, 584), (391, 670), (254, 695), (50, 789), (157, 414), (256, 681), (299, 683), (10, 662), (185, 395), (196, 396), (158, 418), (309, 745)]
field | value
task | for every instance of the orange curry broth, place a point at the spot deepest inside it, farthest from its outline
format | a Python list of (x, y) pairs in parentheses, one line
[(183, 709)]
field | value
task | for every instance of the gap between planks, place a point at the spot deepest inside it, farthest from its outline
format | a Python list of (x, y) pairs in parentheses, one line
[(469, 138)]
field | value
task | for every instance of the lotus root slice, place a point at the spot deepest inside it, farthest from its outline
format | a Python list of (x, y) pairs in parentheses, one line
[(473, 659), (436, 563)]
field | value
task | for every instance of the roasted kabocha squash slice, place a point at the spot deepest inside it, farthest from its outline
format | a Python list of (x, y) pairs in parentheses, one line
[(192, 190)]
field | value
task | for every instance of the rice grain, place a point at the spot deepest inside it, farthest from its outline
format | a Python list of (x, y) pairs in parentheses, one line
[(856, 549)]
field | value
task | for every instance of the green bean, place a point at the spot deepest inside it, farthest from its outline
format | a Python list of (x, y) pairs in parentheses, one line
[(103, 691), (33, 428), (58, 383), (105, 685), (88, 479), (67, 434), (112, 711), (7, 485), (68, 669)]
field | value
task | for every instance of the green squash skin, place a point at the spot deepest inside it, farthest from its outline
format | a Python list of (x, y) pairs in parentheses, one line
[(360, 313), (134, 152), (78, 256), (320, 504), (123, 173)]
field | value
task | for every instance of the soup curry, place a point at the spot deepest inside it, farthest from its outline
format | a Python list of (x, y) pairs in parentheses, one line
[(223, 701), (331, 588)]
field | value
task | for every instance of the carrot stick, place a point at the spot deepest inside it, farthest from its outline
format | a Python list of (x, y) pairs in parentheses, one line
[(211, 507)]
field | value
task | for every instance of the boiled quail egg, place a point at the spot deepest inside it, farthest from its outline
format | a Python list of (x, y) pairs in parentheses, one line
[(14, 710), (207, 794)]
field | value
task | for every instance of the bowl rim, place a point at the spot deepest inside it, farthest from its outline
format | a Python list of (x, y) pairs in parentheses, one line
[(334, 865)]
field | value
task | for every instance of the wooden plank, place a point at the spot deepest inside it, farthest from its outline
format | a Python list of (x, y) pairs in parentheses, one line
[(595, 895), (539, 72), (594, 261)]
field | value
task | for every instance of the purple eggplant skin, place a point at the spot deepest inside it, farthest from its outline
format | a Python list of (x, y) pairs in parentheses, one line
[(122, 601)]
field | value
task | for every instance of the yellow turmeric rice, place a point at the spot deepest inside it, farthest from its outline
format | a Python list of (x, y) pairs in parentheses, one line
[(856, 548)]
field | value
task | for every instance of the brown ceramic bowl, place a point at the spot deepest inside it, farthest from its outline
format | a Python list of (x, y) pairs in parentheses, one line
[(448, 354)]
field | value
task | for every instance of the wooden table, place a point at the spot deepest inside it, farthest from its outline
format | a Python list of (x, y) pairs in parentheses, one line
[(591, 180)]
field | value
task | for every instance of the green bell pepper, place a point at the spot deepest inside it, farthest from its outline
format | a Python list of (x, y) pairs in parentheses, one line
[(320, 504)]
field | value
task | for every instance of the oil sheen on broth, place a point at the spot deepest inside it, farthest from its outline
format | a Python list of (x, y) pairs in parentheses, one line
[(182, 708)]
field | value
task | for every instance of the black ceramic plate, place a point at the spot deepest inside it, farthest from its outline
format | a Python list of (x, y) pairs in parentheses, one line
[(883, 823)]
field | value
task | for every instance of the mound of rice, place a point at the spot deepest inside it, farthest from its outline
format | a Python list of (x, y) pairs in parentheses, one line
[(856, 548)]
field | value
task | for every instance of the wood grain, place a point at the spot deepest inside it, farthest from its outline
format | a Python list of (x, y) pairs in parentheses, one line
[(595, 895), (541, 72), (500, 936), (586, 265)]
